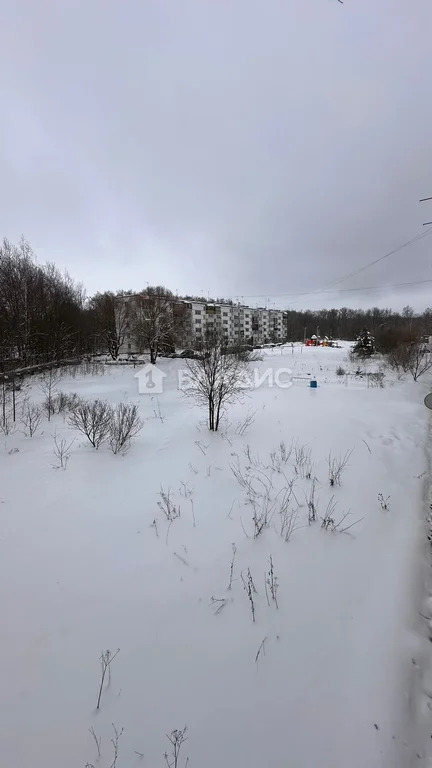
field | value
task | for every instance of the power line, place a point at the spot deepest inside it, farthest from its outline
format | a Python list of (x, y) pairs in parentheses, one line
[(376, 288), (341, 279), (420, 236)]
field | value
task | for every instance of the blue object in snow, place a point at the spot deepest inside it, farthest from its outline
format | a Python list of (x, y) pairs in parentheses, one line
[(314, 383)]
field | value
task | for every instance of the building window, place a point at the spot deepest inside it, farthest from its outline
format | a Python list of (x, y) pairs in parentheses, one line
[(198, 311)]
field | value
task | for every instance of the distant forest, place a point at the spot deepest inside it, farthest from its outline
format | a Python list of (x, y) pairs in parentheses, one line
[(46, 316)]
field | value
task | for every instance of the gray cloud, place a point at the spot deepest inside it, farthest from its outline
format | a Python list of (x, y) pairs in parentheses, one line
[(239, 148)]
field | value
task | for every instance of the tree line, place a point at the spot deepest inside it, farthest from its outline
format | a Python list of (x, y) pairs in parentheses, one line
[(46, 316)]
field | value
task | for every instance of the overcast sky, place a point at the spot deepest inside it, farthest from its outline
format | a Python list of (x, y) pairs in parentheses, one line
[(247, 148)]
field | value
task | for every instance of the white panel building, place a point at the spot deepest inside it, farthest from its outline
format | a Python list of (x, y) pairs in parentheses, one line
[(236, 323)]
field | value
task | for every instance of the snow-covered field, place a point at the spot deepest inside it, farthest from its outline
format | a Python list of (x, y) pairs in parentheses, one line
[(331, 678)]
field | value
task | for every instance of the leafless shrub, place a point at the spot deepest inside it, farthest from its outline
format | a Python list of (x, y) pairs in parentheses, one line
[(167, 506), (411, 356), (376, 379), (86, 368), (336, 467), (231, 573), (340, 371), (203, 448), (285, 453), (106, 659), (247, 422), (240, 475), (280, 456), (302, 460), (263, 509), (384, 502), (157, 412), (48, 406), (176, 738), (288, 525), (272, 582), (62, 451), (258, 487), (93, 418), (182, 559), (124, 425), (420, 361), (97, 741), (185, 491), (31, 418), (252, 460), (311, 503), (114, 742), (260, 650), (250, 590), (63, 402), (218, 603), (329, 523)]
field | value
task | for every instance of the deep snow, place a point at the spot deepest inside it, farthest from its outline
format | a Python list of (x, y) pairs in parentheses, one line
[(338, 681)]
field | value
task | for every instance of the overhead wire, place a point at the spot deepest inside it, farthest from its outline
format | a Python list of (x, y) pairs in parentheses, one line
[(348, 275)]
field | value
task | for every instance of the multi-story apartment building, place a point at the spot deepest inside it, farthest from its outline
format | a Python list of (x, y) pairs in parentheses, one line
[(192, 320)]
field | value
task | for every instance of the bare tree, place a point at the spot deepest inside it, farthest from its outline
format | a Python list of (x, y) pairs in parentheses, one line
[(62, 451), (153, 323), (216, 378), (420, 360), (48, 385), (93, 419), (111, 321), (31, 418), (125, 424)]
